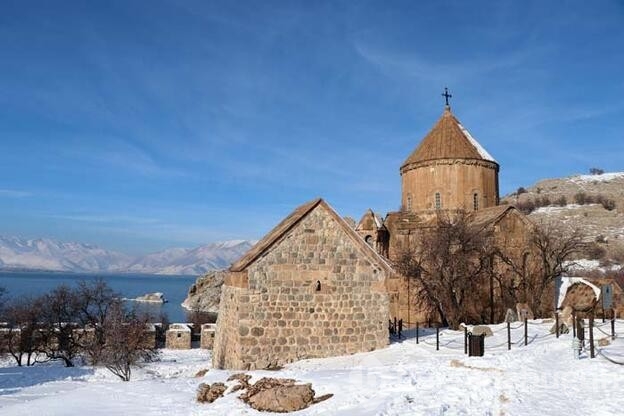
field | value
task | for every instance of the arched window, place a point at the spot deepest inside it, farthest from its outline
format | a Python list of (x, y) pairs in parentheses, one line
[(475, 201), (438, 200), (369, 240), (318, 285)]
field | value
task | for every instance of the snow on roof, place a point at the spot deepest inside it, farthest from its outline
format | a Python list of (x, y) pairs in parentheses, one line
[(179, 327), (605, 177), (484, 153), (377, 220), (567, 282)]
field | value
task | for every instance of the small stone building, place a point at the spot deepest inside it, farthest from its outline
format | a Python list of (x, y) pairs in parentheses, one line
[(207, 336), (178, 337), (310, 288)]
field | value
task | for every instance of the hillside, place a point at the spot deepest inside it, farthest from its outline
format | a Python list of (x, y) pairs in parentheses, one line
[(51, 255), (593, 203)]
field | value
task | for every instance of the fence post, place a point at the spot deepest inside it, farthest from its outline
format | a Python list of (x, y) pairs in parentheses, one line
[(557, 323), (508, 335), (526, 331), (613, 325), (465, 340), (573, 324), (437, 338), (416, 332), (591, 335)]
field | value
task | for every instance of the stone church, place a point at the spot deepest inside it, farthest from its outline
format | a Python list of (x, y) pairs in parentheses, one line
[(316, 287)]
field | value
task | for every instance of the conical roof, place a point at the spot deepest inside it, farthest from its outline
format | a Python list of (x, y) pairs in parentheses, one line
[(448, 139)]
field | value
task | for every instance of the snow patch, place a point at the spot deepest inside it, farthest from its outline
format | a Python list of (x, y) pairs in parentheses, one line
[(554, 209), (482, 152), (605, 177)]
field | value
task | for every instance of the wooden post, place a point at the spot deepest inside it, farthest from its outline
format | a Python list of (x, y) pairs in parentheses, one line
[(591, 334), (465, 340), (508, 335), (526, 331), (437, 338), (557, 324), (417, 332), (573, 323), (613, 325)]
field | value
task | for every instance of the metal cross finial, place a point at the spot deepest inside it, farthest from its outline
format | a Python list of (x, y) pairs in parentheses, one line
[(446, 95)]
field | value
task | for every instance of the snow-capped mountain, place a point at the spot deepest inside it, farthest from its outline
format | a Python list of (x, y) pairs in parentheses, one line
[(47, 254), (191, 261)]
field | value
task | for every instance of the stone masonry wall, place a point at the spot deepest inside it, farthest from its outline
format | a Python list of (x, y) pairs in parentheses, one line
[(282, 317), (226, 348)]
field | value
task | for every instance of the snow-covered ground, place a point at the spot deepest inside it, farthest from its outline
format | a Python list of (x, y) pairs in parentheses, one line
[(404, 379)]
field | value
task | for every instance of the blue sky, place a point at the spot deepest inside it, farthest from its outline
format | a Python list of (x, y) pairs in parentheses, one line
[(144, 125)]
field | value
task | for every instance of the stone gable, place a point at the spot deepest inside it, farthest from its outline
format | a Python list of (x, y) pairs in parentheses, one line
[(316, 291)]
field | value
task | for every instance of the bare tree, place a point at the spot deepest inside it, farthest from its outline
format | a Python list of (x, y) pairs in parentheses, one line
[(124, 341), (23, 338), (529, 274), (449, 267), (61, 334), (95, 300), (554, 245)]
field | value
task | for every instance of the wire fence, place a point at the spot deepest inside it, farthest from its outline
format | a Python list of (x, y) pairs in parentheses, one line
[(459, 342)]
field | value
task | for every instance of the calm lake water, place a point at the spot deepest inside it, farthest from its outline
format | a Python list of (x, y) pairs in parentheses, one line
[(174, 288)]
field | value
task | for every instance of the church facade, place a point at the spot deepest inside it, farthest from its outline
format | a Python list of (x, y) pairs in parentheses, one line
[(316, 287)]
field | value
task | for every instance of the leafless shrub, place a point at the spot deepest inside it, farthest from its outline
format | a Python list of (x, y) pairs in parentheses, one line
[(580, 198), (561, 201), (596, 171), (526, 207), (124, 342)]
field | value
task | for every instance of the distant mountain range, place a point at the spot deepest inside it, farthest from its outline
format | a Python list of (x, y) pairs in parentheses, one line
[(51, 255)]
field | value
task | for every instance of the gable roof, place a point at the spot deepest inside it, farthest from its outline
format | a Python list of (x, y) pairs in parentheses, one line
[(288, 223), (369, 221), (448, 139), (492, 215)]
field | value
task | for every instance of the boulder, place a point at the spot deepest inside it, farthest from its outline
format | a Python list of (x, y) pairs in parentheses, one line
[(208, 393), (280, 395)]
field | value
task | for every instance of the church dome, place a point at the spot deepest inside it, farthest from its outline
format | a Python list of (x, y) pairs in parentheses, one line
[(449, 170), (448, 139)]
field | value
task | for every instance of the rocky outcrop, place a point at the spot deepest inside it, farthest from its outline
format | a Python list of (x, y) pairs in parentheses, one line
[(205, 293), (156, 297), (208, 393)]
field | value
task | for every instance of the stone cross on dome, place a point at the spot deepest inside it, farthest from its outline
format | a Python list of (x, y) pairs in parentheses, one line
[(446, 96)]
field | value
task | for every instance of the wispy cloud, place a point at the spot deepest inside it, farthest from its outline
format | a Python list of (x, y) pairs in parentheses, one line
[(104, 218), (12, 193)]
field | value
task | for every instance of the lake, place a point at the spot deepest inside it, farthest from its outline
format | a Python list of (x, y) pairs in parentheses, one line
[(174, 288)]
